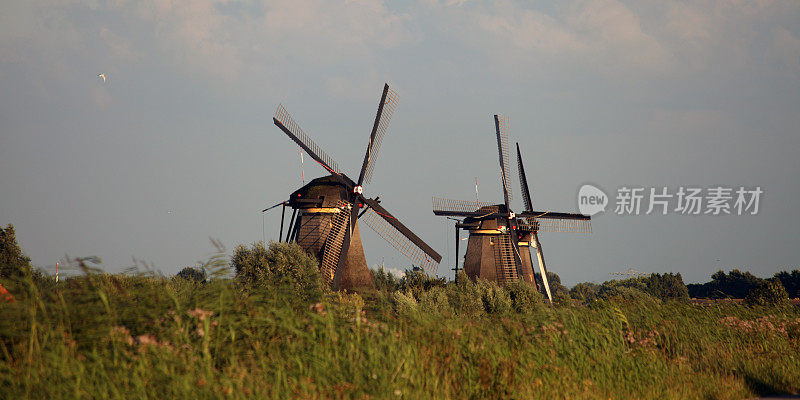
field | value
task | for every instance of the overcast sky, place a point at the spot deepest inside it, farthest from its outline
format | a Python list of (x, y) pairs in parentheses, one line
[(178, 145)]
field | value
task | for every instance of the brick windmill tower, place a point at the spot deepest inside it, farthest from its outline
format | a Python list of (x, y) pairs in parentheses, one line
[(326, 211), (499, 239)]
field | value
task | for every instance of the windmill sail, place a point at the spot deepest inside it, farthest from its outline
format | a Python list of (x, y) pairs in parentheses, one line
[(386, 108), (401, 238), (284, 121), (501, 127), (496, 231), (329, 208), (442, 205), (523, 182), (556, 225)]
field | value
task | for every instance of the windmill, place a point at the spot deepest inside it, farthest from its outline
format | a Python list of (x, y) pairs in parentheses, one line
[(326, 210), (499, 242)]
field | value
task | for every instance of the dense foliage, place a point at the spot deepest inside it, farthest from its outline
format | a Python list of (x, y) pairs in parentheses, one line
[(735, 284), (790, 282), (767, 293), (667, 286), (739, 285), (281, 265), (557, 290), (585, 291), (13, 263), (146, 336), (263, 326), (192, 274)]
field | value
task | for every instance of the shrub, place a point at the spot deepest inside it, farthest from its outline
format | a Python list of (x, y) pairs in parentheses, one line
[(626, 294), (609, 287), (464, 296), (282, 265), (347, 305), (524, 297), (767, 293), (404, 303), (494, 298), (192, 274), (417, 281), (435, 300)]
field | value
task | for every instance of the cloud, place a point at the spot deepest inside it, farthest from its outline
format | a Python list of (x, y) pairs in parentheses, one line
[(226, 41), (687, 23), (603, 35), (229, 43), (785, 49), (611, 38), (223, 41), (705, 36), (120, 49), (396, 272), (614, 33)]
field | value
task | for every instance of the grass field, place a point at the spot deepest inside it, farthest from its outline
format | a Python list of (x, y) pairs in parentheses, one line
[(146, 336)]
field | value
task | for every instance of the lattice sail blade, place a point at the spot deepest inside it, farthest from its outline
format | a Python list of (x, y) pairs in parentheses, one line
[(284, 121), (523, 182), (386, 109), (399, 241), (465, 206), (556, 225), (504, 259), (501, 127), (340, 223)]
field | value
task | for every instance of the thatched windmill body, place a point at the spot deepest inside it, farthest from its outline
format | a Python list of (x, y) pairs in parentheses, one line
[(500, 240), (326, 210)]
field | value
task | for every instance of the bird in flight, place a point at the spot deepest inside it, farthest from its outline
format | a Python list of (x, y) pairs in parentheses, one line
[(102, 76)]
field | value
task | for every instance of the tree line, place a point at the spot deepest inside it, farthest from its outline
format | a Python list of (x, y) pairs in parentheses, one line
[(266, 265)]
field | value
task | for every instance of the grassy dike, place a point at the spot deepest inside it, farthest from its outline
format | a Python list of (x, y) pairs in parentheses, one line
[(145, 336)]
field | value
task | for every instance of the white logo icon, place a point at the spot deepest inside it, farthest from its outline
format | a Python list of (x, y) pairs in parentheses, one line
[(591, 200)]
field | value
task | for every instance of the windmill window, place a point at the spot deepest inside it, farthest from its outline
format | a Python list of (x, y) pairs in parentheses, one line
[(491, 241)]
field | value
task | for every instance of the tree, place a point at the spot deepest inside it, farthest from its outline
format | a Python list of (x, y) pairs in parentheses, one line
[(585, 291), (767, 293), (384, 280), (668, 286), (13, 263), (790, 282), (735, 284), (554, 281), (627, 290)]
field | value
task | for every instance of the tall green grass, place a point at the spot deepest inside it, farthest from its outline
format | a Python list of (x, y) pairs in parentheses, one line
[(148, 336)]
